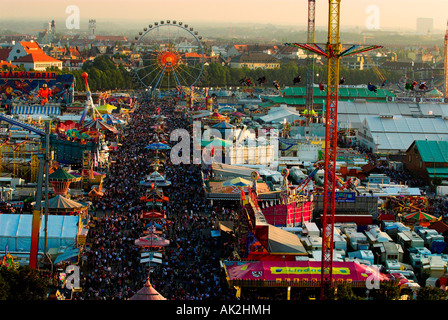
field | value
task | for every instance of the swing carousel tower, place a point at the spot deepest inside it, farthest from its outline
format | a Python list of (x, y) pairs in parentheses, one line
[(334, 51)]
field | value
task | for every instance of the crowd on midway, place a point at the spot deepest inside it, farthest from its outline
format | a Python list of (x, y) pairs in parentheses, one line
[(190, 269)]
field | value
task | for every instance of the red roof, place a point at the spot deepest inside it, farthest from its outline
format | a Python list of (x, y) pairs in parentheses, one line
[(439, 226), (194, 55), (31, 47), (37, 57), (6, 64), (147, 293), (74, 52), (241, 47)]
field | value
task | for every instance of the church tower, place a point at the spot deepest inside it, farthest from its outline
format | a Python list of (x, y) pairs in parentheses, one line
[(92, 29)]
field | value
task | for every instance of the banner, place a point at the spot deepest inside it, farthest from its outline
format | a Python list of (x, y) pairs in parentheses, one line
[(341, 196), (297, 271)]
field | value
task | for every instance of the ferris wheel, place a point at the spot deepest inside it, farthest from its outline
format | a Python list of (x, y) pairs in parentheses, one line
[(168, 55)]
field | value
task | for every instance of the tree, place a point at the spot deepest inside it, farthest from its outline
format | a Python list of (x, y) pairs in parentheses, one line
[(387, 291), (437, 181), (342, 291), (22, 284), (431, 293)]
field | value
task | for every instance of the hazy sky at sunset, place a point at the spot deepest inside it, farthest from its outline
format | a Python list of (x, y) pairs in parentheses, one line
[(399, 14)]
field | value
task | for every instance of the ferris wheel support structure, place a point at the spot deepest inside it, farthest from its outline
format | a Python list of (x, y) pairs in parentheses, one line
[(168, 54)]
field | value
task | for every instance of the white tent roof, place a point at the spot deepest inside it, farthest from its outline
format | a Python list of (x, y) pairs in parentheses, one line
[(15, 231), (399, 132), (278, 114), (155, 176), (351, 114)]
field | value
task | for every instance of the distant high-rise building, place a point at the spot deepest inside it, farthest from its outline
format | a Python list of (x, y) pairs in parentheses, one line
[(425, 25), (92, 29)]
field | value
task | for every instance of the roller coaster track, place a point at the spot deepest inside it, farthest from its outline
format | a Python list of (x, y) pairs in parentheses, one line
[(23, 125)]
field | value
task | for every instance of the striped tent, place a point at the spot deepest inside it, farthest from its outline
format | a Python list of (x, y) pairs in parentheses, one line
[(43, 110)]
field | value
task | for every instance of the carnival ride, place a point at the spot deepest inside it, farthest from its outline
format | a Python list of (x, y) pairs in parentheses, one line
[(349, 185), (334, 52), (406, 204), (168, 55), (90, 106), (378, 73), (418, 83), (44, 163), (20, 159)]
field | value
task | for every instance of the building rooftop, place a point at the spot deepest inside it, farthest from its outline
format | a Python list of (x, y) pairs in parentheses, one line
[(433, 151), (256, 57), (36, 57), (31, 46), (344, 93), (398, 133)]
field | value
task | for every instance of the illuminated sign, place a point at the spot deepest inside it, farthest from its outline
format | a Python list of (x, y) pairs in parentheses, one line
[(27, 75), (306, 270), (345, 196)]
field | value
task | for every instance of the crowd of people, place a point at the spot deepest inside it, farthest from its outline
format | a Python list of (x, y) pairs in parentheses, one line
[(190, 268)]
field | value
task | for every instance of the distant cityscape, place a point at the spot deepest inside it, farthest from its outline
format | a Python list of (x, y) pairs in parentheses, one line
[(69, 49)]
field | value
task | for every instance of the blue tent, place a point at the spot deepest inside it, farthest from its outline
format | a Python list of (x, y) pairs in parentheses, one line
[(109, 119), (223, 125), (15, 232), (159, 146), (68, 254), (37, 109)]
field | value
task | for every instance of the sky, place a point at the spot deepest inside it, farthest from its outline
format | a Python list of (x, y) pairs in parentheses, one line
[(381, 14)]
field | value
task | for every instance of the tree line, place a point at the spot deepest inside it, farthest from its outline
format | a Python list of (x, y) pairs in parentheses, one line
[(217, 75), (104, 74)]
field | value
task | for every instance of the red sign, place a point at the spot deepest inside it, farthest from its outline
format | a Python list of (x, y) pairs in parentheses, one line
[(299, 271), (27, 75)]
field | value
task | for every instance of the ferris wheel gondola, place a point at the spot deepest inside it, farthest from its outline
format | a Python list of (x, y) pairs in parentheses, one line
[(168, 55)]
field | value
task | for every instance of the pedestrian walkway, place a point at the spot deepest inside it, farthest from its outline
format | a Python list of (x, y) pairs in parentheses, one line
[(190, 268)]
